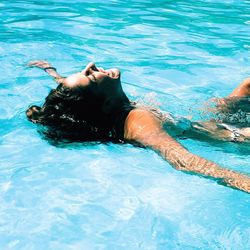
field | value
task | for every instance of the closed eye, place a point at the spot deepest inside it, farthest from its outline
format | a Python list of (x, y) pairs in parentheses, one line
[(92, 78)]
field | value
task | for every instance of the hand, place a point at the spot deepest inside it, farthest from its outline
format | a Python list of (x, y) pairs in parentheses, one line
[(241, 182), (40, 64), (48, 68)]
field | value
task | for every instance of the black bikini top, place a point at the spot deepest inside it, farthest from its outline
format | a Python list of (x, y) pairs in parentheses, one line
[(119, 122)]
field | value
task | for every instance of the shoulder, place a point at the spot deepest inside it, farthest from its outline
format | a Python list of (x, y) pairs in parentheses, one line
[(140, 123)]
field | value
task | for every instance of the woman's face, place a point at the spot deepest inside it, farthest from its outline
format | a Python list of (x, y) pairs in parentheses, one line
[(101, 88), (91, 75)]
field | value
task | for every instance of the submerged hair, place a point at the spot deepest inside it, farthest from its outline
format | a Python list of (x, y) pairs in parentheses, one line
[(71, 114)]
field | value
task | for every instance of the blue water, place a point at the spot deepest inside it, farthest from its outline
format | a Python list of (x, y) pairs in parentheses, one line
[(172, 54)]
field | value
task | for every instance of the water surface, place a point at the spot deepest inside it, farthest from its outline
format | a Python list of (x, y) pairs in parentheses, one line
[(172, 54)]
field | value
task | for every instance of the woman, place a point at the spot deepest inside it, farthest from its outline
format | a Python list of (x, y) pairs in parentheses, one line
[(91, 105)]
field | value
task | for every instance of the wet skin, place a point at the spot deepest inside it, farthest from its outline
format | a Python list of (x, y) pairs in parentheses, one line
[(91, 74), (144, 127)]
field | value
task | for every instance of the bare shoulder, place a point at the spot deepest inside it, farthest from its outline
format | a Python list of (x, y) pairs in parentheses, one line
[(141, 122)]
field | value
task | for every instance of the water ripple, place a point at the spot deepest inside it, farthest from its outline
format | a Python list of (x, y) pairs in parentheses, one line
[(172, 54)]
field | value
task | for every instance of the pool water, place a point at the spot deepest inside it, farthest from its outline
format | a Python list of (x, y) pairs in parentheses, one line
[(175, 55)]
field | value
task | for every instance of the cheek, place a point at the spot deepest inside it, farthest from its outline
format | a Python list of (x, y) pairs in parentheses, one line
[(99, 76)]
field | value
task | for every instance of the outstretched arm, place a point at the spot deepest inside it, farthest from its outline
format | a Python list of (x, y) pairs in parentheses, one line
[(143, 127), (49, 69)]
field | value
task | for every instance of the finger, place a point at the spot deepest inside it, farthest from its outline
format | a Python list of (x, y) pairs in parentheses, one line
[(32, 63), (37, 63)]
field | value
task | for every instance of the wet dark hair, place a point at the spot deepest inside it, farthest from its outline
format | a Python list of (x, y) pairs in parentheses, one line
[(72, 114)]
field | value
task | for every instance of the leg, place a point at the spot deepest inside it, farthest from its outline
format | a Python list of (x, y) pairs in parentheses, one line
[(181, 127), (245, 132), (221, 131), (242, 90), (237, 101), (48, 68)]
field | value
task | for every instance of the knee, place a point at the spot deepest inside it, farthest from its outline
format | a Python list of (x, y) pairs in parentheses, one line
[(246, 83)]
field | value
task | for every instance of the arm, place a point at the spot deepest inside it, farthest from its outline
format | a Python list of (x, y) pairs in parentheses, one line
[(49, 69), (145, 128)]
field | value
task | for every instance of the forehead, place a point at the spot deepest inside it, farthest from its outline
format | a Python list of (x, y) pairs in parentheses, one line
[(77, 80)]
